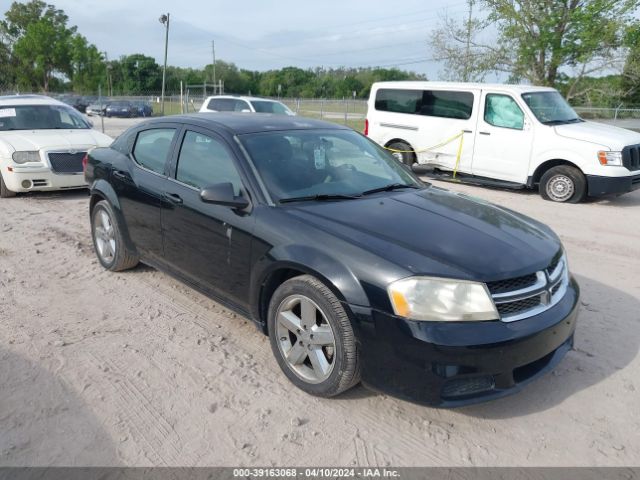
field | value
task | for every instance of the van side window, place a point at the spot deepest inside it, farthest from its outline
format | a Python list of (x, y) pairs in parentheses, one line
[(503, 111), (398, 101), (447, 104), (430, 103)]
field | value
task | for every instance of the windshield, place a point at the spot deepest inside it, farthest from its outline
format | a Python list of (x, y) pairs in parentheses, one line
[(550, 108), (263, 106), (40, 117), (310, 163)]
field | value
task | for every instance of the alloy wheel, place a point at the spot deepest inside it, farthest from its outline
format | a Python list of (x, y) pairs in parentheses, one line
[(305, 338), (105, 236)]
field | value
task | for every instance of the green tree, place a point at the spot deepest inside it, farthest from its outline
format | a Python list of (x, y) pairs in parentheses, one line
[(40, 41), (540, 38), (88, 69), (630, 81)]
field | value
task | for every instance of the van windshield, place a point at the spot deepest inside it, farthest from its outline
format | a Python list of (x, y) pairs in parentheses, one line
[(550, 108)]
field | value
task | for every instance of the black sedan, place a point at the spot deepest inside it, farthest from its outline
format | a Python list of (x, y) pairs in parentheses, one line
[(121, 108), (353, 266)]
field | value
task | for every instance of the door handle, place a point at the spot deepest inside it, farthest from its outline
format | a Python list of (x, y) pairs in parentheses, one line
[(484, 133), (467, 131), (121, 175), (173, 198)]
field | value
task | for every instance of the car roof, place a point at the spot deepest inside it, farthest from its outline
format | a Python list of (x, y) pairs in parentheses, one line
[(29, 100), (243, 97), (453, 85), (237, 123)]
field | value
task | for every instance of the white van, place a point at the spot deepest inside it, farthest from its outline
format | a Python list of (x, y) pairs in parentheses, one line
[(512, 136)]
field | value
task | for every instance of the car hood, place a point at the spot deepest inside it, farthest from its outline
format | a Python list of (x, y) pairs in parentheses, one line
[(614, 138), (434, 231), (24, 140)]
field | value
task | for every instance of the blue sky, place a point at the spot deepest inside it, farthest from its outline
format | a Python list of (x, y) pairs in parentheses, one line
[(261, 35)]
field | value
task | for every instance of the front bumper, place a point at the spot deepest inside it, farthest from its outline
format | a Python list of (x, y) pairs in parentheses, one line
[(599, 186), (26, 179), (459, 363)]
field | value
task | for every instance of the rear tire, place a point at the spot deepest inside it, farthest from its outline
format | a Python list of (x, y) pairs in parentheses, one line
[(4, 191), (326, 364), (108, 241), (406, 154), (564, 184)]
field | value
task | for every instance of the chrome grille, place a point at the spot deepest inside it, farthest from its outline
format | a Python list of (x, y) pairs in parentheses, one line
[(502, 286), (66, 162), (531, 294)]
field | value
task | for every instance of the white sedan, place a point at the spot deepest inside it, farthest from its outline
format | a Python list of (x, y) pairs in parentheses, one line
[(42, 144)]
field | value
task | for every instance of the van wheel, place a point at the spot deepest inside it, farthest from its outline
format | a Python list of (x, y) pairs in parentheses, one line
[(312, 338), (563, 184), (4, 191), (406, 154)]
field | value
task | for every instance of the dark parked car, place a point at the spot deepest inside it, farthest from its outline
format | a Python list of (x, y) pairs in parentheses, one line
[(121, 108), (353, 266), (144, 109)]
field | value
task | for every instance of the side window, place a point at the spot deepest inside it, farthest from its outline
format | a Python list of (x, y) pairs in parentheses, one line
[(152, 148), (398, 101), (447, 104), (430, 103), (222, 104), (204, 161), (503, 111), (241, 105)]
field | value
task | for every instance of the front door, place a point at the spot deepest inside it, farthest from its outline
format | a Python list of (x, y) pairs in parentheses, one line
[(208, 244), (504, 138)]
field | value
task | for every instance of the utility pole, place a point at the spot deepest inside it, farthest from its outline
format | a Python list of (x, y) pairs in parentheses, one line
[(467, 62), (164, 19), (213, 51)]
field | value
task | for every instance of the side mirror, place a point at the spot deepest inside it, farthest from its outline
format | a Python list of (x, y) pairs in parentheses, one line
[(222, 194)]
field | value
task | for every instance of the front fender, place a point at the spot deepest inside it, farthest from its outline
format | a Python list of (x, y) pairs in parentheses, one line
[(309, 260)]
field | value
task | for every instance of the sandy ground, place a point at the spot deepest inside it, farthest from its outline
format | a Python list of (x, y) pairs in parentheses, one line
[(134, 368)]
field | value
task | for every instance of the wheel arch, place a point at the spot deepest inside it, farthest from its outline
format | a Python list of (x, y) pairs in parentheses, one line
[(534, 179), (334, 275), (102, 190)]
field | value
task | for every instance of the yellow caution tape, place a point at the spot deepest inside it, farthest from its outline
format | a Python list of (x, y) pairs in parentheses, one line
[(442, 144)]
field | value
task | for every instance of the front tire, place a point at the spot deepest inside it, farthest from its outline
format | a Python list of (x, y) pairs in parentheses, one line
[(4, 191), (405, 153), (108, 241), (312, 338), (564, 184)]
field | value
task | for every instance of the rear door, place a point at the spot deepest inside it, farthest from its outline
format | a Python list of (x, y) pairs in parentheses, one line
[(140, 186), (208, 244), (429, 118), (503, 140)]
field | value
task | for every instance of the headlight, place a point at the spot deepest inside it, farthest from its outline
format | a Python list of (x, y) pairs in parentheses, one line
[(24, 157), (441, 300), (610, 158)]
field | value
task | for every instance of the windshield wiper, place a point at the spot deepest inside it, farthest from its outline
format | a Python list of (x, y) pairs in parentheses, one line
[(388, 188), (320, 197), (561, 122)]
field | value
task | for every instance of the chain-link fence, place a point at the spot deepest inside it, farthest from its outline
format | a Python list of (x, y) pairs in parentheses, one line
[(346, 110)]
